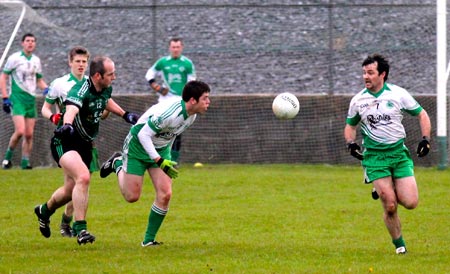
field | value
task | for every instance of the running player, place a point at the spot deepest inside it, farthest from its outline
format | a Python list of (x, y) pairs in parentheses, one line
[(386, 161), (147, 148), (71, 144), (57, 93)]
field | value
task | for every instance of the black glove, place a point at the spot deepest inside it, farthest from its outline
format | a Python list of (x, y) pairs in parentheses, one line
[(6, 105), (424, 147), (130, 117), (355, 150), (65, 131)]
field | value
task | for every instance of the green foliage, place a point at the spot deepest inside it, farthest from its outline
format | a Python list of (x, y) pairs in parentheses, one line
[(230, 219)]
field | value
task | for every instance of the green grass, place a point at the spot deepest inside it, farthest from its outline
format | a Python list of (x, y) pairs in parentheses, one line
[(231, 219)]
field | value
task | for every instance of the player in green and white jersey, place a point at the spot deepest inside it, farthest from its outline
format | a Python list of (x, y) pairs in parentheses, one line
[(24, 70), (147, 148), (71, 144), (386, 161), (58, 89), (57, 93), (175, 70)]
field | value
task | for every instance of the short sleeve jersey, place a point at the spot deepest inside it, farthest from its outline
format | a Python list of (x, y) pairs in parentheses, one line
[(381, 114), (91, 105), (175, 72), (58, 89), (24, 71), (161, 124)]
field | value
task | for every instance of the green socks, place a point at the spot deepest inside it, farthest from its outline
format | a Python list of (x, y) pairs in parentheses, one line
[(9, 154), (399, 242), (155, 220), (78, 226), (66, 219), (117, 165), (46, 213), (25, 163)]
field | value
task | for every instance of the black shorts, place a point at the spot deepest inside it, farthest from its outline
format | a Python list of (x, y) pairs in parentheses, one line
[(59, 146)]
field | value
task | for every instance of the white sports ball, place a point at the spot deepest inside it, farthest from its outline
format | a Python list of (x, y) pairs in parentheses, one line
[(285, 105)]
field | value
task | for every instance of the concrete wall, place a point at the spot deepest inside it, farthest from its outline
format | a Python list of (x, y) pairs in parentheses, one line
[(312, 47)]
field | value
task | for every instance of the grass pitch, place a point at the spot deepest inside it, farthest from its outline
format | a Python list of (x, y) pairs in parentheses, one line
[(231, 219)]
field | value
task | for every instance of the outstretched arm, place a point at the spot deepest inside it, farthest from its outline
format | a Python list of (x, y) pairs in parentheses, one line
[(113, 107), (129, 117)]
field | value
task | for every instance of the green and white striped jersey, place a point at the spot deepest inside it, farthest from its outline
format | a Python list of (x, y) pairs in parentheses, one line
[(91, 104), (160, 124), (24, 71), (58, 89), (381, 115)]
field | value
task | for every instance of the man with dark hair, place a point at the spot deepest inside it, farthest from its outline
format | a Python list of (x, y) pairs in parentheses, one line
[(147, 148), (25, 70), (71, 144), (386, 161)]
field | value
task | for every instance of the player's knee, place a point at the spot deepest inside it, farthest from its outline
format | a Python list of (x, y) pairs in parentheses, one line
[(130, 189), (411, 204), (84, 179), (28, 136), (165, 197), (409, 200), (131, 197), (390, 207), (19, 133)]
